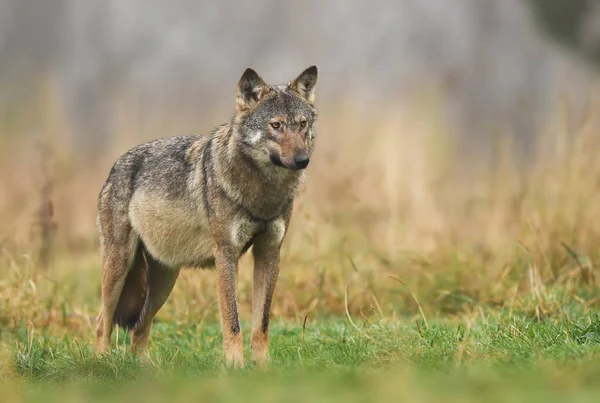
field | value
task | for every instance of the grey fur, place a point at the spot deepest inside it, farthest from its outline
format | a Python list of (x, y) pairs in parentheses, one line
[(187, 201)]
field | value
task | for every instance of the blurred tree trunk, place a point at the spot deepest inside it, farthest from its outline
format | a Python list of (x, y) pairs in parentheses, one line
[(574, 23)]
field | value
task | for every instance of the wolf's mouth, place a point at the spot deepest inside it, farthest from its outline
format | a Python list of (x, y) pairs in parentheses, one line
[(276, 160)]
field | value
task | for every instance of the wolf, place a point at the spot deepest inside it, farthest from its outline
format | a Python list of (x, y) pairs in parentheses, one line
[(203, 201)]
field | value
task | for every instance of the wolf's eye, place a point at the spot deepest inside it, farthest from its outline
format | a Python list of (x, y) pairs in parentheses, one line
[(275, 125), (303, 124)]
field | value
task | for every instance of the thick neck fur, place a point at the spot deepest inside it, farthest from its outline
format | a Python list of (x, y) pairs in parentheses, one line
[(261, 188)]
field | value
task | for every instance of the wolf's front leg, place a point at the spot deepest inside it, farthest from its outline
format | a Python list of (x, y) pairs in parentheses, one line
[(226, 263), (266, 271)]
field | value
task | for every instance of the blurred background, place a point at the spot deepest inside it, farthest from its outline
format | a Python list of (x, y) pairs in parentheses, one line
[(496, 63), (450, 133)]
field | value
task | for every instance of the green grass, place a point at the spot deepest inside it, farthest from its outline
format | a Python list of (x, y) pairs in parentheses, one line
[(480, 359)]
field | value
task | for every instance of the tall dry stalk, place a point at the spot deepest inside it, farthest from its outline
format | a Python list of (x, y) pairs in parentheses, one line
[(45, 213)]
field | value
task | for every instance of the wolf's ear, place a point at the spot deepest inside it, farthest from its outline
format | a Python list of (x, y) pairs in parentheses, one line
[(250, 89), (305, 84)]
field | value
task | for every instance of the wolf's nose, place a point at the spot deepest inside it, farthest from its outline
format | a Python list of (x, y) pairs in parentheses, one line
[(301, 161)]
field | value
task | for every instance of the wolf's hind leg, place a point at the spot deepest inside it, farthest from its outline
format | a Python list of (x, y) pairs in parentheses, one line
[(160, 282), (118, 252)]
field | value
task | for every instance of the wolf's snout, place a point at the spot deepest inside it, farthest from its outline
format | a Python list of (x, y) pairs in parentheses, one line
[(301, 161)]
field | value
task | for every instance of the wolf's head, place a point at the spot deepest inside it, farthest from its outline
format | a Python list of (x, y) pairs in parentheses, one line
[(275, 123)]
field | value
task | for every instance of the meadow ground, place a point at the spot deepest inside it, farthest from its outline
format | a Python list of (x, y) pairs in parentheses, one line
[(492, 354), (410, 272)]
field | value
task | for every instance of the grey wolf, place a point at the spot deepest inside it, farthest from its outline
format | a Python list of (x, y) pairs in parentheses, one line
[(203, 201)]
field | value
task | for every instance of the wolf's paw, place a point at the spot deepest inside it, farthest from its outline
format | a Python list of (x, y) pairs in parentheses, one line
[(144, 356), (234, 359), (102, 346), (260, 357)]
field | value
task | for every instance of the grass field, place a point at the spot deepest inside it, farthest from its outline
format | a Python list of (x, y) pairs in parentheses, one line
[(490, 357), (408, 274)]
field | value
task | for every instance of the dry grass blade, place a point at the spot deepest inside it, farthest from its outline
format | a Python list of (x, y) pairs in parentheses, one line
[(419, 329), (348, 313), (304, 327), (398, 279), (585, 266), (420, 310)]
